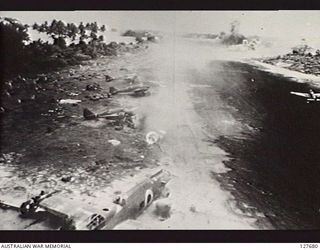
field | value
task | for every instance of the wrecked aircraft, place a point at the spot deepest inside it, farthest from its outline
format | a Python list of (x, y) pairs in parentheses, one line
[(132, 90), (76, 217)]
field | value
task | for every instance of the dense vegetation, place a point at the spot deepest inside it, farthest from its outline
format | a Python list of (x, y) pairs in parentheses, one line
[(302, 58), (22, 56)]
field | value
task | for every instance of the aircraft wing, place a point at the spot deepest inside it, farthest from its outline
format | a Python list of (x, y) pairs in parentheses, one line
[(317, 95), (140, 90), (300, 94)]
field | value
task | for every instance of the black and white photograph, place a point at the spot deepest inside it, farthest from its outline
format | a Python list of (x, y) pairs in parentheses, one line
[(160, 120)]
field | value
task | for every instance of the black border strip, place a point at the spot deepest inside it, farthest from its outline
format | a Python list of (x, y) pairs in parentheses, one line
[(159, 5), (162, 236)]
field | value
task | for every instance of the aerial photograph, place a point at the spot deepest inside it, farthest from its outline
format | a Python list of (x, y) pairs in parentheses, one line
[(147, 120)]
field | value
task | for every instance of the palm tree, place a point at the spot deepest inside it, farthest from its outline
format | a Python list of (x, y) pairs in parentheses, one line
[(101, 38), (93, 36), (72, 31), (103, 28), (35, 26)]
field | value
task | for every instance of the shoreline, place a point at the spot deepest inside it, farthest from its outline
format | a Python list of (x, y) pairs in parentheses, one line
[(310, 79), (264, 86)]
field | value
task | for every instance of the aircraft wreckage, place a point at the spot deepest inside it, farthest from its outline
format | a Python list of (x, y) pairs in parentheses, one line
[(109, 214), (132, 90)]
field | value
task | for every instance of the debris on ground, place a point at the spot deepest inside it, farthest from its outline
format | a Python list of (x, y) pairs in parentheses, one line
[(66, 178), (10, 157), (73, 94), (193, 209), (92, 87), (114, 142), (69, 101), (96, 97), (153, 137)]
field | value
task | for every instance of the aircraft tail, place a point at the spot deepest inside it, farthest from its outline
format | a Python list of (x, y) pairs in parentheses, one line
[(88, 114), (113, 90)]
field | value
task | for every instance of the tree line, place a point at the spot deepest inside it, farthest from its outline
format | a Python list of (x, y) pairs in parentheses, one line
[(21, 55), (59, 31)]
